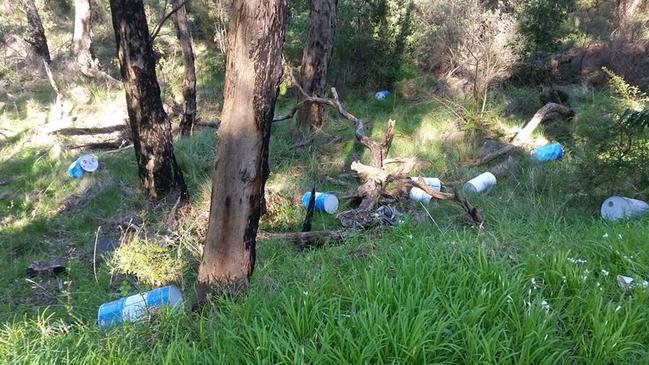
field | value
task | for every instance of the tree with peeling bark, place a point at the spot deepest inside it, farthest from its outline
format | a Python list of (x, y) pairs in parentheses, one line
[(189, 81), (37, 37), (253, 73), (82, 38), (626, 10), (315, 60), (150, 125)]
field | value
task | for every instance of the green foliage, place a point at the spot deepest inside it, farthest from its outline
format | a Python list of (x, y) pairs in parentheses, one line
[(543, 22), (629, 93), (614, 143), (372, 42)]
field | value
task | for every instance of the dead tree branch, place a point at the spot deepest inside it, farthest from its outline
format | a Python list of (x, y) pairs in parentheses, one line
[(306, 239), (159, 26), (522, 137), (404, 184)]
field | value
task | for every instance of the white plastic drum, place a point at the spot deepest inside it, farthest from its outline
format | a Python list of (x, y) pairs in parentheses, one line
[(480, 184), (617, 207)]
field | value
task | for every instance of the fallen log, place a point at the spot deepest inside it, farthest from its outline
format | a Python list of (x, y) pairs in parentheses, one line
[(90, 131), (541, 115), (522, 137), (306, 239)]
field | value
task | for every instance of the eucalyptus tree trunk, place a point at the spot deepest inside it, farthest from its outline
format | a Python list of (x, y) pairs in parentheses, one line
[(315, 59), (252, 77), (37, 37), (151, 129), (626, 11), (189, 82), (82, 38)]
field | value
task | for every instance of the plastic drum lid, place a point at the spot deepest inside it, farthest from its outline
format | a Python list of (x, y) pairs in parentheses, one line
[(89, 163), (330, 203)]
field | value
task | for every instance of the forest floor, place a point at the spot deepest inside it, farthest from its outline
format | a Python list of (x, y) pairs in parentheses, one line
[(536, 285)]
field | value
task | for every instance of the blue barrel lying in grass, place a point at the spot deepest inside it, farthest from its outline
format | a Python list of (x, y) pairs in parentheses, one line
[(85, 163), (138, 306), (381, 95), (548, 153), (324, 202)]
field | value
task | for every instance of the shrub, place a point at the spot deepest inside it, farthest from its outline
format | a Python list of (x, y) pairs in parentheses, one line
[(474, 42), (543, 22), (614, 145)]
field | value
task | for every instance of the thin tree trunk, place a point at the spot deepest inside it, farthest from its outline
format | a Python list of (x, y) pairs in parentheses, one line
[(82, 39), (315, 59), (626, 10), (253, 73), (189, 82), (157, 165), (37, 39)]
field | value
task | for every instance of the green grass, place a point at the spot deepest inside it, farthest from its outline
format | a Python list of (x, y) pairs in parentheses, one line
[(432, 290)]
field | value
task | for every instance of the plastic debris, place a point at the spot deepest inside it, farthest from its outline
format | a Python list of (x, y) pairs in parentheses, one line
[(625, 283), (481, 184), (324, 202), (381, 95), (85, 163), (616, 208), (628, 284), (388, 215), (547, 153), (137, 307), (577, 261)]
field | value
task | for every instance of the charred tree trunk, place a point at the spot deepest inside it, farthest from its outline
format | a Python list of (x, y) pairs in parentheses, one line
[(189, 82), (151, 129), (37, 39), (315, 59), (81, 41), (253, 73)]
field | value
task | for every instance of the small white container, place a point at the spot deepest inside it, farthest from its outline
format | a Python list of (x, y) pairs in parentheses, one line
[(432, 182), (480, 184), (418, 195), (617, 207)]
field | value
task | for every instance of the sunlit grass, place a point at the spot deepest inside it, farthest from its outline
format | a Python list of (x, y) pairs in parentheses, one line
[(536, 286)]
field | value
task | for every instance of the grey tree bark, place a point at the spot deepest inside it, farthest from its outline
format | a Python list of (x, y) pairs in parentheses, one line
[(189, 81), (37, 37), (253, 73), (82, 38), (315, 59), (151, 129)]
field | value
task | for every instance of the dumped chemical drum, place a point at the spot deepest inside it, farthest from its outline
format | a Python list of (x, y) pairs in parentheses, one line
[(617, 207), (418, 195), (85, 163), (324, 202), (432, 182), (481, 184), (381, 95), (138, 306), (547, 153)]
